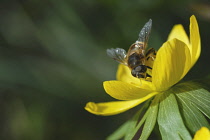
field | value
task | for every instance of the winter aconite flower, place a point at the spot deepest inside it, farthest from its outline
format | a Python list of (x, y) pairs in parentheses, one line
[(202, 134), (173, 60)]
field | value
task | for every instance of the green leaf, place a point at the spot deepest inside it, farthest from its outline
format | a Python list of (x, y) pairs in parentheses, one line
[(170, 122), (136, 124), (120, 132), (193, 117), (151, 119), (128, 128), (198, 94), (132, 132), (194, 99)]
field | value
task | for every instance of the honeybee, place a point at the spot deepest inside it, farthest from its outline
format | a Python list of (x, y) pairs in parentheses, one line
[(136, 58)]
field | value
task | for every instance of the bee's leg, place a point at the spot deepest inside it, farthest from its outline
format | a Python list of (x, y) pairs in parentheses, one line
[(148, 77), (149, 67), (151, 53)]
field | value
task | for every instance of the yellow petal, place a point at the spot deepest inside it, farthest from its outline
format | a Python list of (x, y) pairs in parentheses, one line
[(179, 33), (202, 134), (115, 107), (125, 91), (124, 74), (194, 39), (172, 62)]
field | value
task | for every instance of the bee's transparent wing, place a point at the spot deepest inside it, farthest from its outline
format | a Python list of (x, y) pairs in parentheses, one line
[(117, 54), (145, 32)]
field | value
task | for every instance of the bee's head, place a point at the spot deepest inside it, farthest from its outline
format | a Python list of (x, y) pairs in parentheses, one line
[(139, 71)]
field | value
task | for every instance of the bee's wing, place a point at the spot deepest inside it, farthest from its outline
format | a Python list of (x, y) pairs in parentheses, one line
[(145, 32), (117, 54)]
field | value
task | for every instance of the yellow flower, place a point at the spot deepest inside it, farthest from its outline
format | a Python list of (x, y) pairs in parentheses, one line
[(173, 60), (202, 134)]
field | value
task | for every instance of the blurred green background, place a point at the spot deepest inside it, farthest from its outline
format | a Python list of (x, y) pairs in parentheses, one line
[(53, 60)]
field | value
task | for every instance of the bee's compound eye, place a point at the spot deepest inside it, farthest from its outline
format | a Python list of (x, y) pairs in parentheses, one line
[(134, 73), (141, 68), (137, 74), (139, 71)]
